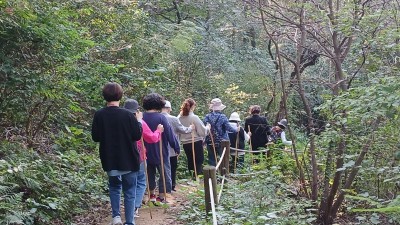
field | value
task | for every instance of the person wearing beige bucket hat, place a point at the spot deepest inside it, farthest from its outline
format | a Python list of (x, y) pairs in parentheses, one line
[(219, 129)]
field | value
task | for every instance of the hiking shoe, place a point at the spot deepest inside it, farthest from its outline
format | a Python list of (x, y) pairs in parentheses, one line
[(153, 198), (160, 200), (116, 221), (136, 215)]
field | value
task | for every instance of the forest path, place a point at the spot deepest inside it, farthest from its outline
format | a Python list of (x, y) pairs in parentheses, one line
[(160, 215)]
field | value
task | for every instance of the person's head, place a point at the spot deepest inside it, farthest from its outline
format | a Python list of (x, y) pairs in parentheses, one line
[(216, 105), (235, 118), (167, 107), (255, 110), (131, 105), (112, 92), (282, 124), (153, 101), (187, 106)]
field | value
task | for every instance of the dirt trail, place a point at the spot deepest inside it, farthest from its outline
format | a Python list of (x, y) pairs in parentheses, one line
[(163, 215)]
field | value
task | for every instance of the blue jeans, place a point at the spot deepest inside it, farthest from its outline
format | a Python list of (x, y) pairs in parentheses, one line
[(127, 183), (152, 170), (140, 186), (218, 152)]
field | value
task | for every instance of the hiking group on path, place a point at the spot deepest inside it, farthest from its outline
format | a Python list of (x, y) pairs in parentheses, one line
[(136, 146)]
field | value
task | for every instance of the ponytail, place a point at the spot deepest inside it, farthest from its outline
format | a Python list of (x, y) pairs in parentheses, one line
[(186, 106)]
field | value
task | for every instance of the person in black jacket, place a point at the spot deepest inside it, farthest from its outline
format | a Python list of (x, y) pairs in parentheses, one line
[(117, 130), (238, 141), (259, 128)]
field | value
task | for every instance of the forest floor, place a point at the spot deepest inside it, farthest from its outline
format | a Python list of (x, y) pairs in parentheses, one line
[(160, 215)]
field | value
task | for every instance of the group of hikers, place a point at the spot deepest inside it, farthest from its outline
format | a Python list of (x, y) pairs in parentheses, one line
[(136, 146)]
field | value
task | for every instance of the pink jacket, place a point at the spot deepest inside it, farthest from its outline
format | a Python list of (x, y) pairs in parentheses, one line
[(149, 137)]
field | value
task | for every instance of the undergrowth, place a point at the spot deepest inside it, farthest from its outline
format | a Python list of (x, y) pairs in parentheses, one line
[(45, 188)]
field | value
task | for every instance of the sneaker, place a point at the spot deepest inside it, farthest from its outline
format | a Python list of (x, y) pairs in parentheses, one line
[(136, 215), (153, 198), (161, 200), (173, 188), (116, 221)]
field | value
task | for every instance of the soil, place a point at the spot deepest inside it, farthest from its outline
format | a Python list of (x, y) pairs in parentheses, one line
[(160, 215)]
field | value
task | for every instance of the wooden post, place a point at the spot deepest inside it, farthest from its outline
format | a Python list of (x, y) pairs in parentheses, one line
[(210, 172), (224, 168)]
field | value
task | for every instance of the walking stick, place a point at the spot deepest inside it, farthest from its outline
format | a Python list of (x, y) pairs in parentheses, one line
[(147, 178), (194, 157), (236, 153), (251, 148), (213, 144), (162, 171)]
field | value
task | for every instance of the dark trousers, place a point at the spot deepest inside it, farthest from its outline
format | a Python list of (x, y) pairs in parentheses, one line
[(198, 153), (174, 165)]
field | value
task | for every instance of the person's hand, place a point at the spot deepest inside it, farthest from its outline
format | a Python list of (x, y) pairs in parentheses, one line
[(160, 128), (249, 133), (208, 126), (139, 115), (192, 126)]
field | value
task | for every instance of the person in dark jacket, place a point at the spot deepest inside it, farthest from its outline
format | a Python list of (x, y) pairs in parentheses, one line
[(259, 128), (237, 140), (153, 103), (117, 130), (219, 130)]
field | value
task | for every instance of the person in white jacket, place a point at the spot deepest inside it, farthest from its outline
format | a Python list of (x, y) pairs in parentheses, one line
[(178, 128)]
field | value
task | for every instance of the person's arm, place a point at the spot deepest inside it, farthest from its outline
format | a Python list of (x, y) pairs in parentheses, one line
[(268, 129), (284, 141), (179, 127), (246, 136), (201, 130), (246, 126), (228, 127), (171, 138), (136, 127), (150, 136), (95, 129)]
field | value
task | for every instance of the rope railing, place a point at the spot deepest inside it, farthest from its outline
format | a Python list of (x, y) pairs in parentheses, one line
[(214, 213), (221, 159), (222, 188), (250, 151)]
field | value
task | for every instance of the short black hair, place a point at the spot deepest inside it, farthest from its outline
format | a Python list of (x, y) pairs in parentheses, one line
[(153, 101), (112, 92)]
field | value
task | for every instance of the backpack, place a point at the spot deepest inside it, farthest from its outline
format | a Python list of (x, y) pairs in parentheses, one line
[(217, 138), (275, 135)]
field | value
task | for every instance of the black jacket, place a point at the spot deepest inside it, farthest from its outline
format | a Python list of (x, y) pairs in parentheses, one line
[(117, 130), (259, 129)]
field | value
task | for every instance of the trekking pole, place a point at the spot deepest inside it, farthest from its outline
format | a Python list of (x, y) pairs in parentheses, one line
[(213, 144), (162, 171), (236, 153), (194, 157), (147, 177), (251, 148)]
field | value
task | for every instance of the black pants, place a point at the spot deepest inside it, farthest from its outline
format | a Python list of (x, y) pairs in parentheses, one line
[(198, 153), (174, 165)]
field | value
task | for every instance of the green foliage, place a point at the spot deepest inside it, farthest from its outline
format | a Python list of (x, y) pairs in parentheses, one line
[(242, 202), (37, 188)]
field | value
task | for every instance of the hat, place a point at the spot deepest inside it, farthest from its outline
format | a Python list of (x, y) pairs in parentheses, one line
[(167, 105), (283, 123), (234, 117), (131, 105), (216, 105)]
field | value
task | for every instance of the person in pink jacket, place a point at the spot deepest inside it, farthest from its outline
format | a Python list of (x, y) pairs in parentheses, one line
[(149, 137)]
